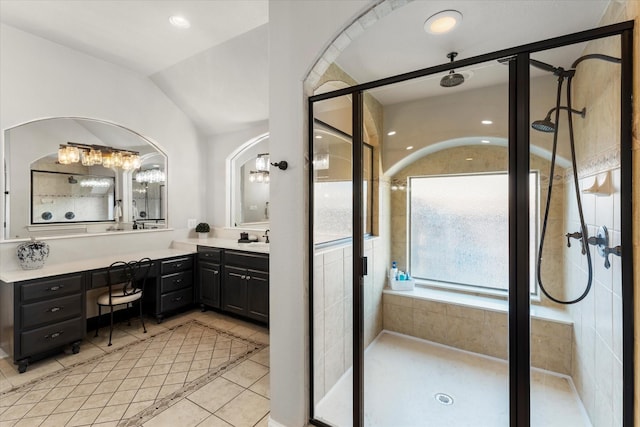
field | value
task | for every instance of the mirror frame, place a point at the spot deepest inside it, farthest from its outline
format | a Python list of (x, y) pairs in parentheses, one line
[(75, 229), (233, 165)]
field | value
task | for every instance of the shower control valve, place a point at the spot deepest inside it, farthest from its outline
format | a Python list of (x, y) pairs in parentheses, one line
[(569, 236)]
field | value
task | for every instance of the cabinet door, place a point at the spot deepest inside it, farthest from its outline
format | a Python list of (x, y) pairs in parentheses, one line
[(258, 295), (209, 284), (234, 290)]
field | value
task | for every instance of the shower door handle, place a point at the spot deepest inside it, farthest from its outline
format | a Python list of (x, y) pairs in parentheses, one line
[(365, 269)]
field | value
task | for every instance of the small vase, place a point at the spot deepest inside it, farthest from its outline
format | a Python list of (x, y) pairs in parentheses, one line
[(33, 254), (203, 236)]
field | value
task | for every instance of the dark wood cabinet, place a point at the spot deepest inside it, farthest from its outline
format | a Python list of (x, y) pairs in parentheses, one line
[(234, 281), (39, 317), (209, 277), (245, 289), (174, 290), (45, 315)]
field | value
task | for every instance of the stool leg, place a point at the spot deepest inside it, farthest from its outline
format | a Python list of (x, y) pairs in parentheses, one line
[(99, 317), (111, 327), (129, 308), (141, 319)]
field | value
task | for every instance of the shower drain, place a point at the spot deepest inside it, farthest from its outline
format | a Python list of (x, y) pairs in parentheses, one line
[(444, 399)]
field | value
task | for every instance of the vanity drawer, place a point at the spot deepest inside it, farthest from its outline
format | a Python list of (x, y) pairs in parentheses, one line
[(247, 260), (175, 265), (175, 300), (209, 254), (173, 282), (51, 287), (51, 336), (51, 310), (100, 278)]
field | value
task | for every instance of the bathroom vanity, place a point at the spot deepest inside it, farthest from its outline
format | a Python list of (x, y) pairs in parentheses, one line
[(42, 311), (234, 281)]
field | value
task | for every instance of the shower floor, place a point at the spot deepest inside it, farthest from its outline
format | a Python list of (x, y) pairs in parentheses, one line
[(403, 375)]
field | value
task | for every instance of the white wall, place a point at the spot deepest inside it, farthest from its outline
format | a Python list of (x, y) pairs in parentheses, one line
[(40, 79), (299, 32)]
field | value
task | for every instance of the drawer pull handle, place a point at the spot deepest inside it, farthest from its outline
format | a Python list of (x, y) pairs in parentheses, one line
[(177, 281), (177, 299), (55, 288), (53, 335), (216, 272), (248, 277), (54, 309), (178, 265), (243, 277)]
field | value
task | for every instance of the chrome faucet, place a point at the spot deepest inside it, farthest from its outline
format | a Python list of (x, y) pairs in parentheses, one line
[(266, 235)]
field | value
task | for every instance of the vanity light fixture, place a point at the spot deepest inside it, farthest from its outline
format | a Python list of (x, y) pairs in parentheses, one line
[(398, 185), (179, 21), (262, 162), (91, 155), (261, 177), (150, 176), (443, 22), (321, 161)]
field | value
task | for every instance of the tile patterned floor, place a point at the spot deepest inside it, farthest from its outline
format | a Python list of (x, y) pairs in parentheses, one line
[(175, 375), (403, 376)]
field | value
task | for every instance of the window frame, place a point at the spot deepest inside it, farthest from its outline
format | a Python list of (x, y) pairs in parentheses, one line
[(534, 178)]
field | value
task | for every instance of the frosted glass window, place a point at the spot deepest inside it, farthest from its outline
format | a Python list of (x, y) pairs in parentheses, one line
[(459, 229)]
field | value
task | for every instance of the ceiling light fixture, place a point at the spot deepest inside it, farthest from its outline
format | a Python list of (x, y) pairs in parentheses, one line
[(179, 21), (391, 133), (487, 122), (443, 22), (410, 147)]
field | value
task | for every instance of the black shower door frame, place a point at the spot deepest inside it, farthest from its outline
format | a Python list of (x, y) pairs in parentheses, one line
[(519, 146)]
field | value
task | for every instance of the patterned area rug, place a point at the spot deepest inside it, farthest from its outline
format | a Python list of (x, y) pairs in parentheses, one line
[(130, 384)]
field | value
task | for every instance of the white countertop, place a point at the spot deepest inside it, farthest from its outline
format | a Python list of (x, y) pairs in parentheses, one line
[(89, 264), (215, 242), (178, 248)]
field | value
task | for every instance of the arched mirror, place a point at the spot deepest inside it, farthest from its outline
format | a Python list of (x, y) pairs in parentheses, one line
[(69, 176), (248, 171)]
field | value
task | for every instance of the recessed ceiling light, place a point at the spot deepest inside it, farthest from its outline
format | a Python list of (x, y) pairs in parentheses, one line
[(487, 122), (443, 22), (391, 133), (469, 158), (179, 21), (485, 141), (318, 136), (410, 147)]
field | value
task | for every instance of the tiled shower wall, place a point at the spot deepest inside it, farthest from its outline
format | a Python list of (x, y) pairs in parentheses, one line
[(333, 309), (597, 349)]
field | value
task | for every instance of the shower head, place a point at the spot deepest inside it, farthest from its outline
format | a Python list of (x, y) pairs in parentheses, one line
[(452, 79), (546, 125)]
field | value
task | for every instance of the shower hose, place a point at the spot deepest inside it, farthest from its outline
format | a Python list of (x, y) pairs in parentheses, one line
[(583, 234)]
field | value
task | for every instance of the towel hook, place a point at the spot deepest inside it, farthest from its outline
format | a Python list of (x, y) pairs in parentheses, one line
[(282, 165)]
